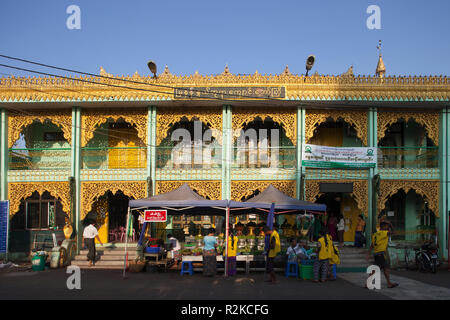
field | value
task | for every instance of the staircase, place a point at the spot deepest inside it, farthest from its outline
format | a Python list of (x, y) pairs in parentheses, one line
[(353, 260), (107, 257)]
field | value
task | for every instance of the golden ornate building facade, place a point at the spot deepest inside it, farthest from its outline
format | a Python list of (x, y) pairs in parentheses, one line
[(73, 147)]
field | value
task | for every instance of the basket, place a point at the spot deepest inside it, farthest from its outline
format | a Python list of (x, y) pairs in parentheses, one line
[(137, 266), (306, 272)]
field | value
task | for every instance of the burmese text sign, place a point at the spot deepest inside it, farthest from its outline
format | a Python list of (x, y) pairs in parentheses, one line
[(155, 215), (338, 157)]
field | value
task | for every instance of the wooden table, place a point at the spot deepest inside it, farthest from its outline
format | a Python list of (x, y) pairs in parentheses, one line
[(155, 257)]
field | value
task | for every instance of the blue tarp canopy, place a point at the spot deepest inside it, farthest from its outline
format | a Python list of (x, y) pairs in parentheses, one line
[(283, 204), (182, 201)]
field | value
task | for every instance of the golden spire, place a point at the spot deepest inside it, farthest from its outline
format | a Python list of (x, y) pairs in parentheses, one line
[(381, 68), (286, 71)]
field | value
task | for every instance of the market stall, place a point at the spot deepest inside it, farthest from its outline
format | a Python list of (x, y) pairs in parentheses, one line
[(270, 203), (182, 201)]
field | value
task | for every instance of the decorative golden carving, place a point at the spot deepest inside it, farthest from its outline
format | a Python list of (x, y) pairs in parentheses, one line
[(429, 120), (91, 191), (92, 119), (358, 119), (18, 122), (429, 189), (205, 188), (284, 116), (19, 191), (360, 192), (165, 118), (244, 189), (368, 88)]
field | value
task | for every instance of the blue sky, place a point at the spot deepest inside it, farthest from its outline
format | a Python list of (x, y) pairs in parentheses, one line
[(247, 35)]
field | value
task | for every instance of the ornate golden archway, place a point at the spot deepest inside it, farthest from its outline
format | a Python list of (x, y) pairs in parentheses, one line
[(92, 119), (360, 192), (19, 191), (429, 120), (17, 123), (284, 116), (245, 189), (168, 117), (429, 189), (90, 191), (313, 118), (205, 188)]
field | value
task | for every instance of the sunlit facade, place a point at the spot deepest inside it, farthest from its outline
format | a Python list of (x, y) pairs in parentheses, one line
[(70, 148)]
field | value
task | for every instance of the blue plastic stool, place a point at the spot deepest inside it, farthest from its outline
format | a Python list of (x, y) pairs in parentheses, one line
[(334, 271), (288, 271), (189, 269)]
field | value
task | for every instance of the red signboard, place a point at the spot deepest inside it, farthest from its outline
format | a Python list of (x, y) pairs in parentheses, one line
[(155, 215)]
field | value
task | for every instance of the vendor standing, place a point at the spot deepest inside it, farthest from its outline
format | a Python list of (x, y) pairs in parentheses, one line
[(175, 248), (274, 249), (232, 250), (89, 235), (209, 254)]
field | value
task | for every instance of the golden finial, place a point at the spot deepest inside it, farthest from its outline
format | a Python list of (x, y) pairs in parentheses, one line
[(166, 71), (381, 68), (226, 71), (286, 71)]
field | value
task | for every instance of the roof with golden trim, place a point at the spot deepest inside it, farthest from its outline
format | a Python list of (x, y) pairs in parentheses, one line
[(297, 87)]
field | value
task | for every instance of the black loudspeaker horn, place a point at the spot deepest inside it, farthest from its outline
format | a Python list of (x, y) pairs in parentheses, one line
[(152, 66), (309, 63)]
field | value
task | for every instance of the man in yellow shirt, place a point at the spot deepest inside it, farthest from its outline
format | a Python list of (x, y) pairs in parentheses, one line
[(380, 241), (273, 250)]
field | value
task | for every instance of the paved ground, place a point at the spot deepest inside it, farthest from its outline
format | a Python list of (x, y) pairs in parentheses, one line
[(97, 284), (441, 278), (109, 284), (408, 289)]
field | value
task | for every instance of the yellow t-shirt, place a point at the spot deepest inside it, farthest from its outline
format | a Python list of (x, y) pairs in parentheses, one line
[(274, 252), (232, 247), (380, 240), (324, 251)]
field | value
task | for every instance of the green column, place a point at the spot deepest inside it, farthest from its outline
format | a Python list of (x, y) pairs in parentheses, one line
[(153, 125), (227, 151), (300, 141), (4, 154), (444, 152), (76, 171), (224, 148), (372, 141)]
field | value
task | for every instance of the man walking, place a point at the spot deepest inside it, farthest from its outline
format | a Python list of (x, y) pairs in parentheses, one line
[(380, 240), (274, 249), (89, 235)]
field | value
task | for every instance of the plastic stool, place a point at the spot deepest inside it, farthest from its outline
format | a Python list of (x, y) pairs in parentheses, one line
[(288, 271), (189, 269), (333, 272)]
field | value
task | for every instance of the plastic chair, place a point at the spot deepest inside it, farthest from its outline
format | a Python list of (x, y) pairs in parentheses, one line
[(112, 235), (188, 265), (289, 272), (122, 234)]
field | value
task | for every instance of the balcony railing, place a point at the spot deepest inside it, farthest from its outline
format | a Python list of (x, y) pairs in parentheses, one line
[(114, 158), (40, 159), (270, 157), (408, 157), (188, 157)]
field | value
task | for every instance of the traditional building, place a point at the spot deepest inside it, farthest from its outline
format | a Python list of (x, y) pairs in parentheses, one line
[(74, 146)]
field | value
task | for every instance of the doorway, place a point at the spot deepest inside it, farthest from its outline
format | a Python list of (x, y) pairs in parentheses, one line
[(110, 213), (342, 204)]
